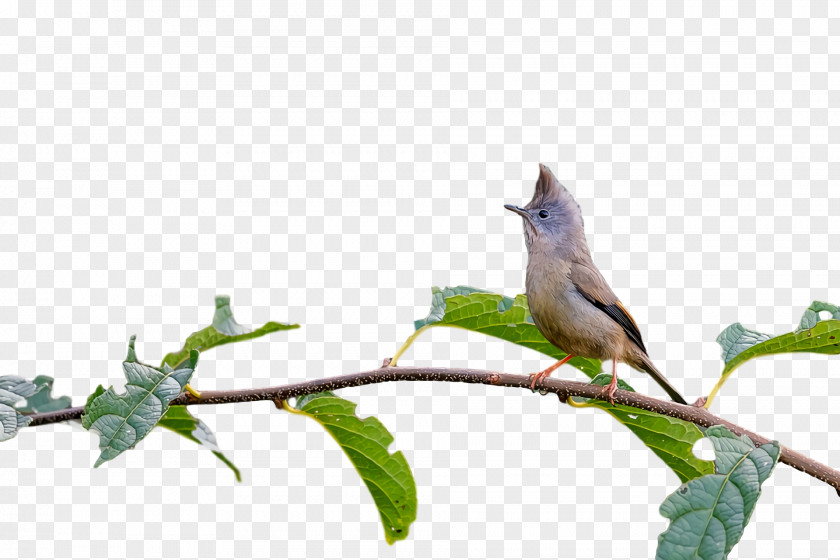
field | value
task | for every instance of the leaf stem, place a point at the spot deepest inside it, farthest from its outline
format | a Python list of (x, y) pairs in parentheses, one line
[(409, 341), (564, 389), (189, 389)]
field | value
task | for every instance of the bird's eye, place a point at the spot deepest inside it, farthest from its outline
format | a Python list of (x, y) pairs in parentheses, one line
[(543, 214)]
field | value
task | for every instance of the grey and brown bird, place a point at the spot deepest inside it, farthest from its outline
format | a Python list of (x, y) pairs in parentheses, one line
[(571, 303)]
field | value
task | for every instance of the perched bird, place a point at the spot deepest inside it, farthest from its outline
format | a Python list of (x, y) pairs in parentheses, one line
[(571, 303)]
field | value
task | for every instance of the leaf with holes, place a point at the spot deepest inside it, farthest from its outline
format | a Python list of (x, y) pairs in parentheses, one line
[(123, 420), (223, 330), (13, 390), (709, 514), (179, 420), (42, 400), (671, 439), (365, 442), (495, 315), (815, 335)]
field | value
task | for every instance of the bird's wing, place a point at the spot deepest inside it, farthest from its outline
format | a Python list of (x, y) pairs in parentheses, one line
[(591, 285)]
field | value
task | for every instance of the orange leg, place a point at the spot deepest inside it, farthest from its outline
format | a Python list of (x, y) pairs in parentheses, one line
[(610, 389), (537, 377)]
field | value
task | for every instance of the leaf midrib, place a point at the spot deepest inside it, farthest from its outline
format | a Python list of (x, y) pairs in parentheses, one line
[(148, 394), (717, 501)]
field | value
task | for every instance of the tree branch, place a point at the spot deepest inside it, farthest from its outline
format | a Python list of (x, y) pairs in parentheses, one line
[(560, 387)]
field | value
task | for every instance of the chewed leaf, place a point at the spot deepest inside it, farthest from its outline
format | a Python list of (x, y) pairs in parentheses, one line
[(365, 442), (122, 420), (671, 439), (223, 330), (495, 315), (179, 420), (13, 390), (42, 400), (815, 335), (709, 514), (735, 339), (812, 315)]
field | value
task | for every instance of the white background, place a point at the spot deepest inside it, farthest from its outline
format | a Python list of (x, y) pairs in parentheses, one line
[(327, 163)]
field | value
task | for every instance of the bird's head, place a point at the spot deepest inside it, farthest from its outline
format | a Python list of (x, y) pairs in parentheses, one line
[(552, 217)]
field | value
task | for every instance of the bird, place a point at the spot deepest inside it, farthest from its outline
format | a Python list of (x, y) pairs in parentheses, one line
[(571, 303)]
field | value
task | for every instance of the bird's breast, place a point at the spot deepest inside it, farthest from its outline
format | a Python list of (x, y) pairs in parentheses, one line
[(567, 319)]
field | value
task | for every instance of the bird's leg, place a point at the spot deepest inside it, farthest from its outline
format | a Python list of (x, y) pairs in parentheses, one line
[(536, 377), (610, 389)]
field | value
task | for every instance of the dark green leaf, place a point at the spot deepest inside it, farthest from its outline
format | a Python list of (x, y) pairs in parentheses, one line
[(495, 315), (179, 420), (123, 420), (223, 330), (365, 442), (671, 439), (709, 514), (42, 400)]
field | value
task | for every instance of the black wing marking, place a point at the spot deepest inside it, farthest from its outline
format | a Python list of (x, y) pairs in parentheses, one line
[(620, 315)]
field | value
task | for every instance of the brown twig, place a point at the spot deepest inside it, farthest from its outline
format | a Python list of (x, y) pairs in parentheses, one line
[(560, 387)]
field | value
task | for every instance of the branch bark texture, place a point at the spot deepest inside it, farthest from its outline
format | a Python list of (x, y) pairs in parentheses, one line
[(560, 387)]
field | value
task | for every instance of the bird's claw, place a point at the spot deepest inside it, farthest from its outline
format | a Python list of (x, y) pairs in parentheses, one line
[(536, 378), (610, 391)]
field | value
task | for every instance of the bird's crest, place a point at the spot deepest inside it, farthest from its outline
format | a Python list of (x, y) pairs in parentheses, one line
[(550, 193)]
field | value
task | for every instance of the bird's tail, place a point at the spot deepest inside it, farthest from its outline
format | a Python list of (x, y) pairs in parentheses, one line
[(647, 366)]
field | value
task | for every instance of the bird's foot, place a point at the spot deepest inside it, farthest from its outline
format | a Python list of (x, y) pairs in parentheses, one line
[(537, 378), (610, 392)]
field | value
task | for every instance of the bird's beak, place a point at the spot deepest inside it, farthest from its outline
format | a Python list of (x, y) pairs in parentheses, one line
[(521, 211)]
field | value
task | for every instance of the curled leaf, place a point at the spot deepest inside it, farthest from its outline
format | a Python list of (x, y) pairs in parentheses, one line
[(223, 330), (365, 442), (815, 335), (179, 420)]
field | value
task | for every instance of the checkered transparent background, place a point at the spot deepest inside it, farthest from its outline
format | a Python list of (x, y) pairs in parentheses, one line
[(326, 163)]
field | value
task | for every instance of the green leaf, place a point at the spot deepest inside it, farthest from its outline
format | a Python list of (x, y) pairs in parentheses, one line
[(179, 420), (365, 442), (814, 335), (671, 439), (495, 315), (13, 389), (123, 420), (812, 315), (223, 330), (42, 400), (736, 339), (709, 514)]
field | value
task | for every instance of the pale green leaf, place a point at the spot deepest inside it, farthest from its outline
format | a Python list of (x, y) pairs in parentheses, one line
[(735, 339), (122, 420), (709, 514), (387, 475), (42, 400), (13, 390), (179, 420), (495, 315), (812, 315), (671, 439), (223, 330)]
